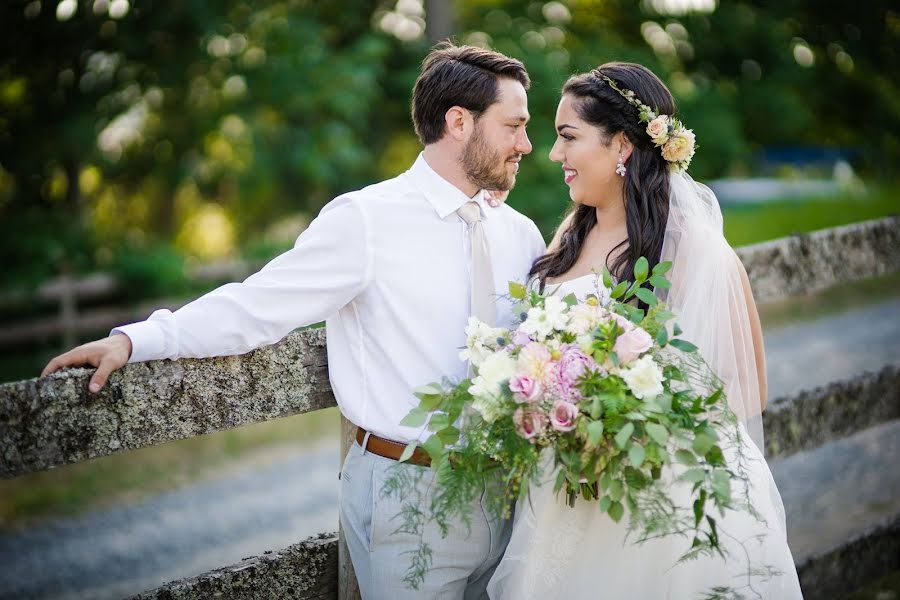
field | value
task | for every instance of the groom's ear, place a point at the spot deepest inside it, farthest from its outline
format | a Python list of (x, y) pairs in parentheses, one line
[(459, 123)]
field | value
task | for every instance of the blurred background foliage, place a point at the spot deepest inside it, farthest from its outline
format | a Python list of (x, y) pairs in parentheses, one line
[(138, 137), (144, 138)]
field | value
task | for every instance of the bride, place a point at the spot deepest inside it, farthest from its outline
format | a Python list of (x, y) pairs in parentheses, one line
[(623, 157)]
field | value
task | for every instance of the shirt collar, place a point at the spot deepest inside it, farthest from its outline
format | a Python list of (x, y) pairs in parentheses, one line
[(443, 196)]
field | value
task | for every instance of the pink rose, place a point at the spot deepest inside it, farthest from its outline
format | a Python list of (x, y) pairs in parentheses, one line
[(529, 423), (563, 415), (658, 129), (525, 389), (632, 344), (622, 322)]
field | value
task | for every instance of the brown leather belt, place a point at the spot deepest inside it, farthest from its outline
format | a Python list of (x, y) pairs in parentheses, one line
[(390, 449)]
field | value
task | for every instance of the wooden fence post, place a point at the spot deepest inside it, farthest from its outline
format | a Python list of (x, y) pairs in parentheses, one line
[(348, 588)]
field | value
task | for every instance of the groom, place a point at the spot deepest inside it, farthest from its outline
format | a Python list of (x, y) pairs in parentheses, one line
[(395, 270)]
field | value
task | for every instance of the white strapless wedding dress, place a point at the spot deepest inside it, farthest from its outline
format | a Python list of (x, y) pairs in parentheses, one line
[(578, 553)]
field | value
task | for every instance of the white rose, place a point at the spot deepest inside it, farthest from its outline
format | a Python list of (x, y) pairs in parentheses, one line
[(644, 378)]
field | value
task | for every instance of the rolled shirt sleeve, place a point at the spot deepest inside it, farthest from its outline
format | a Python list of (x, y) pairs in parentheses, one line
[(328, 266)]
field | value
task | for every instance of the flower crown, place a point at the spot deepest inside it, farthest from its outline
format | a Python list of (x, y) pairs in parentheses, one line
[(678, 143)]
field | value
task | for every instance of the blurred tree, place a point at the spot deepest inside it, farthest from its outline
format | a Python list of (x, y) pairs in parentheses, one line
[(125, 124), (122, 121)]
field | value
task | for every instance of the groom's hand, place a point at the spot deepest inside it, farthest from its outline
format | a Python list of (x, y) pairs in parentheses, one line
[(107, 355)]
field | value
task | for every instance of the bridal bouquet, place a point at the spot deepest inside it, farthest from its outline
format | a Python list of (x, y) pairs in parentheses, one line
[(601, 392)]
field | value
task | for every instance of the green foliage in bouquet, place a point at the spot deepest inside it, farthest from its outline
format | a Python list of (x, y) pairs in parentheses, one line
[(603, 393)]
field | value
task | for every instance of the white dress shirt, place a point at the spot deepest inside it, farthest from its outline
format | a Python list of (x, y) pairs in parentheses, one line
[(387, 268)]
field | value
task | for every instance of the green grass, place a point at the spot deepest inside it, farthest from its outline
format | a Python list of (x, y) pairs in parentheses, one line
[(110, 480), (837, 299), (752, 223)]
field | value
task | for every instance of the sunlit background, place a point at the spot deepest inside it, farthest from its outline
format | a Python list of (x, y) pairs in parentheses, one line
[(152, 150)]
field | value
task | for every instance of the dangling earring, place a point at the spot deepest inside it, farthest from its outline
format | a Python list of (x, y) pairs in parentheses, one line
[(620, 168)]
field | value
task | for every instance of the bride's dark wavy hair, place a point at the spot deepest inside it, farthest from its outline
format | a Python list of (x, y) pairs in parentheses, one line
[(647, 177)]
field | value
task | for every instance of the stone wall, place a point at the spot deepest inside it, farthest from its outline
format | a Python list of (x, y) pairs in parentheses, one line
[(304, 571)]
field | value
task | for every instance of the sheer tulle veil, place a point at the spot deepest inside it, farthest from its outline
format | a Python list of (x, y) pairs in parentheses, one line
[(709, 297)]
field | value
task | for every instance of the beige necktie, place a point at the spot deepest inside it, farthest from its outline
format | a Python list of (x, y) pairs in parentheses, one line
[(482, 278)]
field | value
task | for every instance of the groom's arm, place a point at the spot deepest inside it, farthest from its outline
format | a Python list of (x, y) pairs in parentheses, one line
[(327, 267)]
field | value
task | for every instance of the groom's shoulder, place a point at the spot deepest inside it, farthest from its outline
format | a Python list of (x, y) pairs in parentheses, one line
[(391, 190)]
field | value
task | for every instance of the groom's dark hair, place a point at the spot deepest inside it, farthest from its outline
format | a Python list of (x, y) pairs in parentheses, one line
[(463, 76)]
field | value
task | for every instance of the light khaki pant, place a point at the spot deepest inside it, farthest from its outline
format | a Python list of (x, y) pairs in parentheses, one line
[(461, 563)]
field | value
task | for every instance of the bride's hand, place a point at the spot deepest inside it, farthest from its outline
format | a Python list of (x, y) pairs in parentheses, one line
[(497, 197)]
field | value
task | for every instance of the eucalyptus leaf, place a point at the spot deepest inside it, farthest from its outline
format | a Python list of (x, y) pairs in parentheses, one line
[(619, 290), (662, 267), (449, 435), (595, 432), (702, 443), (408, 451), (715, 456), (647, 296), (683, 345), (438, 421), (434, 447), (570, 299), (605, 503), (624, 435), (428, 390), (636, 454), (616, 510), (607, 278), (664, 401), (430, 401), (641, 267), (657, 432), (694, 475), (635, 478), (596, 409), (660, 282), (686, 457), (605, 479), (721, 484), (615, 490), (662, 337), (635, 315), (415, 418)]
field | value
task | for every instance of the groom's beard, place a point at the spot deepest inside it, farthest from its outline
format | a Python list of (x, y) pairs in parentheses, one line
[(485, 167)]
